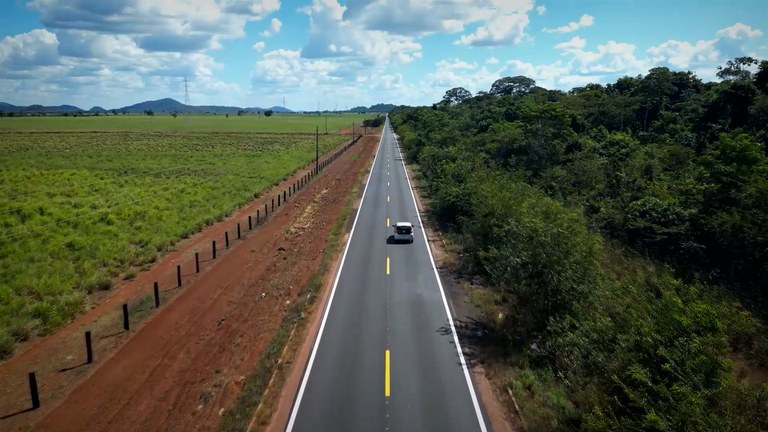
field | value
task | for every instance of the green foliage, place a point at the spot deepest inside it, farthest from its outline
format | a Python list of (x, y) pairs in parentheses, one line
[(553, 198)]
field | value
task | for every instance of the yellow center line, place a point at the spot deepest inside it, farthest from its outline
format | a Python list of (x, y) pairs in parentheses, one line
[(386, 373), (387, 221), (387, 265)]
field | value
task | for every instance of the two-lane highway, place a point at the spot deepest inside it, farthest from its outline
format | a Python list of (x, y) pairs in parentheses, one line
[(383, 359)]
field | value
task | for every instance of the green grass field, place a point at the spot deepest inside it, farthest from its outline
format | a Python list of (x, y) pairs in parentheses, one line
[(278, 123), (78, 209)]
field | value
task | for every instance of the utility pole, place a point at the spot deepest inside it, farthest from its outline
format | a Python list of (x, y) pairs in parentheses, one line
[(317, 148)]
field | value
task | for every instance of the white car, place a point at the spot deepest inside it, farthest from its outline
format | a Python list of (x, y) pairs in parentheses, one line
[(403, 232)]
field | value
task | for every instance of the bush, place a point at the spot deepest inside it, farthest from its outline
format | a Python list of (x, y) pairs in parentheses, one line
[(7, 345)]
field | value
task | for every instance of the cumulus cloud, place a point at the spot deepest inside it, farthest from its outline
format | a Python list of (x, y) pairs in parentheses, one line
[(259, 46), (35, 48), (500, 21), (501, 30), (172, 25), (274, 28), (584, 21), (541, 10), (492, 60), (738, 31), (575, 44), (728, 43), (331, 36)]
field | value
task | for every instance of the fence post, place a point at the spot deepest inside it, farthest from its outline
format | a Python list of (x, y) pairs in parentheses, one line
[(278, 200), (88, 348), (33, 391), (273, 205), (156, 290), (250, 223), (283, 195), (238, 230), (213, 248), (178, 275), (197, 262), (258, 216), (126, 324), (226, 239)]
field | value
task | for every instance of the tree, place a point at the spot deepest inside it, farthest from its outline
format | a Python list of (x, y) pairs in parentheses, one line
[(174, 114), (737, 69), (268, 113), (114, 112), (149, 112), (456, 96), (516, 85)]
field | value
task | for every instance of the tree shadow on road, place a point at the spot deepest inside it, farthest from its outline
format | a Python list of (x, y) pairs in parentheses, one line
[(480, 341)]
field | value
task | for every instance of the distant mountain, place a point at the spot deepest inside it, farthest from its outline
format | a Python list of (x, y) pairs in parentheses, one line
[(169, 105), (159, 106), (38, 108)]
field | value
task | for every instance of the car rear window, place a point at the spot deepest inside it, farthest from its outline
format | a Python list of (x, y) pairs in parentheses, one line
[(403, 230)]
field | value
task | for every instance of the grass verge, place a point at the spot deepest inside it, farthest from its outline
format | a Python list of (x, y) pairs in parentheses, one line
[(238, 417)]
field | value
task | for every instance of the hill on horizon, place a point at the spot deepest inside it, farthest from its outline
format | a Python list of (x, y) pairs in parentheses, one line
[(167, 105)]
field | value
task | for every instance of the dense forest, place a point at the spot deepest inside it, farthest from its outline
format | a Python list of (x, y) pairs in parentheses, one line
[(621, 232)]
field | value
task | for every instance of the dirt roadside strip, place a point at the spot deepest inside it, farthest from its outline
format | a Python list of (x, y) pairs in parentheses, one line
[(186, 362)]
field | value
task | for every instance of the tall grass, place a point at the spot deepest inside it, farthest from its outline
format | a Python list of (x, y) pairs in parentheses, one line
[(77, 209), (280, 123)]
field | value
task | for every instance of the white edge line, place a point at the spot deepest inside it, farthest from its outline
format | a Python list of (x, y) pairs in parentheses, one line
[(479, 413), (308, 370)]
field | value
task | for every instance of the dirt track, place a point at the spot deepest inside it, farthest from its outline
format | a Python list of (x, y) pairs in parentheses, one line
[(188, 361)]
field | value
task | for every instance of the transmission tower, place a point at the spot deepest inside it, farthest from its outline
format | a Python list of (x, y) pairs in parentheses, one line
[(186, 100)]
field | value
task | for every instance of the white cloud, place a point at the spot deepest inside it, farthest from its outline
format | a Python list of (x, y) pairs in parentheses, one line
[(544, 75), (575, 44), (541, 10), (500, 30), (259, 46), (169, 25), (331, 36), (416, 18), (491, 60), (274, 28), (584, 21), (35, 48), (739, 31), (728, 43), (683, 54)]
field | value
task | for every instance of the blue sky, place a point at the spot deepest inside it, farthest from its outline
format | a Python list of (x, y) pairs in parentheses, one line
[(340, 54)]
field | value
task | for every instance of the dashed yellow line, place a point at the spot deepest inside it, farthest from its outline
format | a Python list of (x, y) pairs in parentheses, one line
[(387, 221), (387, 265), (386, 373), (387, 198)]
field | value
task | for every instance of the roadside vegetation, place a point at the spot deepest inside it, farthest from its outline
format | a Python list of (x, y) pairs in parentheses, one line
[(280, 123), (79, 209), (621, 236)]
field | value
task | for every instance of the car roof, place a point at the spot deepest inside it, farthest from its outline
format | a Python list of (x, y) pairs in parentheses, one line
[(404, 224)]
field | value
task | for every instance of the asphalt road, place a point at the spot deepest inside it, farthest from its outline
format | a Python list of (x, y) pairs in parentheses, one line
[(386, 356)]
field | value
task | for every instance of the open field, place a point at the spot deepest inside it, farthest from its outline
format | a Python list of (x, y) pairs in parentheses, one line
[(193, 123), (78, 209)]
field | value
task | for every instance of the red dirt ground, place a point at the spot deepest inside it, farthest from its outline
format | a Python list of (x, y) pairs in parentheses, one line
[(184, 364)]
